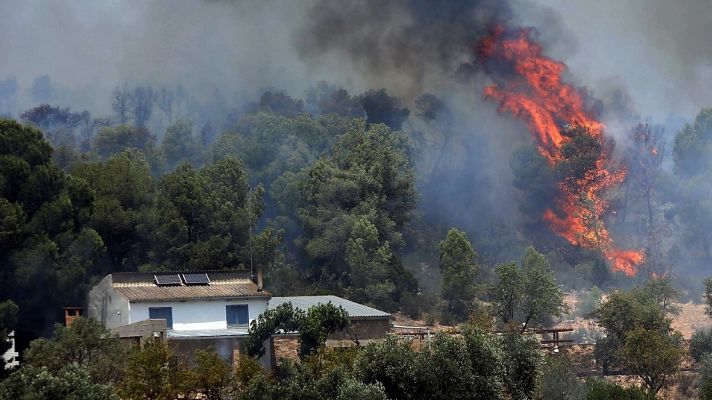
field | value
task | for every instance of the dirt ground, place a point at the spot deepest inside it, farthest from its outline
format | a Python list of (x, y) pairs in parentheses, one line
[(691, 317)]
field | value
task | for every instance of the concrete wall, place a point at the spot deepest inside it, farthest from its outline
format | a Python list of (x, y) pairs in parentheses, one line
[(141, 331), (226, 347), (106, 305), (192, 315)]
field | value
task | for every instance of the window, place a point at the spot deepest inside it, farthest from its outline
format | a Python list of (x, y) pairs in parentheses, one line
[(237, 315), (162, 313)]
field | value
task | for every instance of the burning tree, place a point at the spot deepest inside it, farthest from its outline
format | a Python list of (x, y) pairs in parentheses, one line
[(529, 85)]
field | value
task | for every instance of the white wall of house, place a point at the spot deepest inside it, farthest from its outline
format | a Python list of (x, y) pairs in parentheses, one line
[(198, 314), (107, 305), (11, 357)]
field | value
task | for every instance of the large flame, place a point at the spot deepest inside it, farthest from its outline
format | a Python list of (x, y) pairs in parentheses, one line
[(535, 93)]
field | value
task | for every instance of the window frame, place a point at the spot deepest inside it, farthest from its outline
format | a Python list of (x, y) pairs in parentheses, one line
[(236, 307), (169, 320)]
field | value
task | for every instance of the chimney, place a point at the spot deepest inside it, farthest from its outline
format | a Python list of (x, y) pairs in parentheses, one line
[(259, 279), (72, 313)]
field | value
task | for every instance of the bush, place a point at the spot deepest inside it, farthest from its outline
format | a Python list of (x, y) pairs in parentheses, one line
[(523, 360), (393, 364), (558, 381), (705, 380), (71, 382), (701, 344), (487, 362), (355, 390), (601, 390)]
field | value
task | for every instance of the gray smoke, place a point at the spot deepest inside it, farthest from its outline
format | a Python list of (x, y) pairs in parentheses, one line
[(648, 59)]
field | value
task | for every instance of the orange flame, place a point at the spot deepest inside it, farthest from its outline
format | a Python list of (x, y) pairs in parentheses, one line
[(537, 95)]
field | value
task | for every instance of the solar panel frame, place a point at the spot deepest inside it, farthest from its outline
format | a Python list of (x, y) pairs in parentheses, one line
[(167, 279), (192, 278)]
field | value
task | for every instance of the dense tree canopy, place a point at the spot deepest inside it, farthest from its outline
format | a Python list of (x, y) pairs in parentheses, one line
[(527, 294), (459, 270)]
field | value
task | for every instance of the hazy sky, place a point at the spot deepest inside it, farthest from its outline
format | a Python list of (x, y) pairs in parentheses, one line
[(658, 51)]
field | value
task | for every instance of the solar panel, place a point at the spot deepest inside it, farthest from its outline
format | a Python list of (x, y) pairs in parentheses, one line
[(167, 279), (196, 279)]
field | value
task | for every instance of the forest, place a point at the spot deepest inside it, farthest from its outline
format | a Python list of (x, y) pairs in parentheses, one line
[(447, 170), (326, 192)]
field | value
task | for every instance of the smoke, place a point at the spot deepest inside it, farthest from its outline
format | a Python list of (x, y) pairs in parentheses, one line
[(657, 50), (644, 59), (408, 46), (89, 48)]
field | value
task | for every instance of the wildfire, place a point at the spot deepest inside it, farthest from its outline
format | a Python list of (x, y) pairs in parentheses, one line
[(556, 116)]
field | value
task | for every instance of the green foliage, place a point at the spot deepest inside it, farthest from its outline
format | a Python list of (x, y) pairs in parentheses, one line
[(272, 145), (623, 312), (559, 382), (69, 383), (85, 344), (705, 378), (320, 321), (367, 179), (487, 360), (527, 294), (247, 370), (639, 334), (181, 146), (601, 390), (471, 367), (153, 373), (313, 326), (368, 261), (124, 200), (522, 361), (692, 145), (701, 344), (507, 292), (653, 356), (203, 220), (661, 292), (211, 374), (48, 252), (450, 370), (352, 389), (458, 263), (393, 364), (115, 139), (283, 317)]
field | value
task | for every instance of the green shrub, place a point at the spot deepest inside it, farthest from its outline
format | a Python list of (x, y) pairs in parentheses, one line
[(559, 382), (523, 360), (701, 344), (601, 390)]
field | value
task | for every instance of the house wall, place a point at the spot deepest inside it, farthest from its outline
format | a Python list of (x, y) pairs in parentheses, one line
[(11, 356), (194, 314), (106, 305), (228, 348)]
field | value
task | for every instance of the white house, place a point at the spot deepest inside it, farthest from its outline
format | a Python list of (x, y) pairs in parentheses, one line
[(199, 308), (11, 356)]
